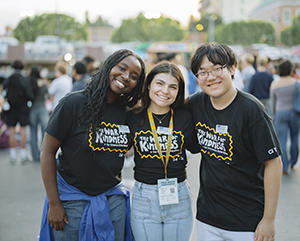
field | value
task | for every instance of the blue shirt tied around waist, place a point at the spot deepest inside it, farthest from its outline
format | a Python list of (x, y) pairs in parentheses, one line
[(95, 223)]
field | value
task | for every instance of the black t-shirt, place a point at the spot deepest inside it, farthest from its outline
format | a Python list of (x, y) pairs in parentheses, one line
[(235, 142), (148, 165), (93, 165)]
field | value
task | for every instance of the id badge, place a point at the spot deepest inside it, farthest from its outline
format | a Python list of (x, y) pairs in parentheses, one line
[(123, 129), (164, 130), (167, 191)]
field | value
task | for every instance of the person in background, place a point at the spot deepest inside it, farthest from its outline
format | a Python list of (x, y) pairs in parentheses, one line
[(85, 197), (18, 96), (176, 59), (193, 83), (38, 113), (161, 130), (238, 80), (89, 63), (248, 70), (61, 85), (241, 168), (80, 76), (260, 82), (286, 120)]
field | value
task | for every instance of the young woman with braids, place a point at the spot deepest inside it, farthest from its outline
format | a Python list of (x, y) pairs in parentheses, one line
[(85, 197)]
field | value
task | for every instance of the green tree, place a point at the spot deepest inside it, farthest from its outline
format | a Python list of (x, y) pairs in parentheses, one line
[(204, 21), (144, 30), (246, 33), (291, 35), (62, 25)]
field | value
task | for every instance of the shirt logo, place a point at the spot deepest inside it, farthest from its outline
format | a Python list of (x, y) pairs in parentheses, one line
[(107, 137), (145, 145), (215, 144)]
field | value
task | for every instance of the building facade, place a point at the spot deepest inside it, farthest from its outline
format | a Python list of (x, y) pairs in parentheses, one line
[(279, 12), (229, 10)]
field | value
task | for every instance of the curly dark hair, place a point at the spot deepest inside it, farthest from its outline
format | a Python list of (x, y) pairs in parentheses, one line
[(96, 88)]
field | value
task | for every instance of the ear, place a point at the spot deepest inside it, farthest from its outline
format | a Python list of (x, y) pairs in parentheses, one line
[(232, 69)]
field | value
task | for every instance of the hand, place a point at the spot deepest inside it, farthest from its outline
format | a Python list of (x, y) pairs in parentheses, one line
[(265, 230), (56, 216)]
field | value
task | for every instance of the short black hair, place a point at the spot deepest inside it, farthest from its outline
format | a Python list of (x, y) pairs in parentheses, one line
[(80, 68), (285, 68), (215, 53), (88, 59), (17, 65)]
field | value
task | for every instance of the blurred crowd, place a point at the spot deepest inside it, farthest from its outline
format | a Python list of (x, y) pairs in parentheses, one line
[(38, 96), (27, 100)]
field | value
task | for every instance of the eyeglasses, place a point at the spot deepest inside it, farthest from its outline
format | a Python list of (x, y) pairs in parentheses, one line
[(216, 72)]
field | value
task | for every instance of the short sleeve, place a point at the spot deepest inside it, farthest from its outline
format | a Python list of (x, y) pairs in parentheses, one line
[(60, 122)]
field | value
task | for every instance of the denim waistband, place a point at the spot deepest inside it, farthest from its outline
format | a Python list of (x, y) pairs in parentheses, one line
[(141, 185)]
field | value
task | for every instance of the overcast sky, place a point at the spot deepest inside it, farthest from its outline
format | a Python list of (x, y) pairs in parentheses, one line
[(111, 10)]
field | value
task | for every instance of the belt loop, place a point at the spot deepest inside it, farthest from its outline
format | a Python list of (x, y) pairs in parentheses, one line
[(139, 186)]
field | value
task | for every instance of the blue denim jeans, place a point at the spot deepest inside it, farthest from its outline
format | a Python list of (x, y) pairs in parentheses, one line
[(287, 125), (152, 222), (74, 209), (38, 116)]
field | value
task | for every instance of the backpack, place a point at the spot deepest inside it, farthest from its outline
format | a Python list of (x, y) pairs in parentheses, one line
[(15, 91)]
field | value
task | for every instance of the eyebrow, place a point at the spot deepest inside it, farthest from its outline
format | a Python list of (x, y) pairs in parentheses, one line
[(165, 82), (128, 67), (212, 67)]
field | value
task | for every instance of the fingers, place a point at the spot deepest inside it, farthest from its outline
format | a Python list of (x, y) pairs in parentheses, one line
[(58, 225), (66, 219)]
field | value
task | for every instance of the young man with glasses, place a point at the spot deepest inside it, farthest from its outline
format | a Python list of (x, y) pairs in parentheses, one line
[(240, 172)]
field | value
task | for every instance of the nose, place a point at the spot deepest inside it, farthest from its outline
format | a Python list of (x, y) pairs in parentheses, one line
[(210, 75), (165, 89), (125, 75)]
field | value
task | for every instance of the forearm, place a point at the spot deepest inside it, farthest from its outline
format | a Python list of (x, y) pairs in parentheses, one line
[(272, 184), (48, 169)]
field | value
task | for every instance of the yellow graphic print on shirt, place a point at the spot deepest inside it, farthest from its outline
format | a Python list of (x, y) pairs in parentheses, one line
[(145, 145), (218, 145), (107, 138)]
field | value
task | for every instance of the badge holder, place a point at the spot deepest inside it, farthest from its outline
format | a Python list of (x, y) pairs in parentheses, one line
[(167, 191)]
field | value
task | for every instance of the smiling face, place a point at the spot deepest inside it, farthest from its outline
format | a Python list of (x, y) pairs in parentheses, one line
[(216, 87), (163, 91), (123, 77)]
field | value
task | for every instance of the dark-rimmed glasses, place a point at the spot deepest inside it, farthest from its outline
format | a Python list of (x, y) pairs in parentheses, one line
[(216, 72)]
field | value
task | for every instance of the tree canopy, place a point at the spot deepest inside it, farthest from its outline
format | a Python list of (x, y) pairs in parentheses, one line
[(246, 33), (291, 35), (144, 30), (204, 21), (62, 25)]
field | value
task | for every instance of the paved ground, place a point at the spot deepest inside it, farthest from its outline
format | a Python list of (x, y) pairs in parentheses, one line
[(22, 196)]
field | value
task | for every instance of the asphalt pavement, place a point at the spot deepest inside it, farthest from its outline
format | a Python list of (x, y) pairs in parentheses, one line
[(22, 197)]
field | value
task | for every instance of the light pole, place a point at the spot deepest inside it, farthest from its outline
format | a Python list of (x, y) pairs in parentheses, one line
[(211, 27)]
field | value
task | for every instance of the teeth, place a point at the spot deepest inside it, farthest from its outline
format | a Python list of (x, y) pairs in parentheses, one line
[(214, 84), (119, 83), (162, 97)]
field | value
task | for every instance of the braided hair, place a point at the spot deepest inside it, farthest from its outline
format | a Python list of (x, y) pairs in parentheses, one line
[(96, 89)]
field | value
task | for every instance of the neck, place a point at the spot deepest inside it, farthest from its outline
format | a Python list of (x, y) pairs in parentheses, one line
[(158, 110), (111, 97), (225, 100)]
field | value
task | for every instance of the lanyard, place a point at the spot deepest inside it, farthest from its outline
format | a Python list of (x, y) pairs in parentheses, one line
[(157, 144)]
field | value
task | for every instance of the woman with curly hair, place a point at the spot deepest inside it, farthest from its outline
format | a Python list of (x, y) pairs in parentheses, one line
[(85, 197)]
